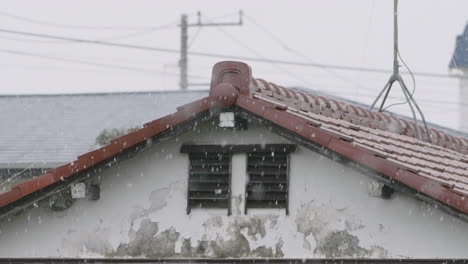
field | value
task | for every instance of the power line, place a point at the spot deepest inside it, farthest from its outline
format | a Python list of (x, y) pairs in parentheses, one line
[(149, 71), (245, 46), (115, 37), (88, 41), (143, 32), (217, 55), (58, 25), (83, 62), (426, 101), (184, 29), (300, 54), (195, 36)]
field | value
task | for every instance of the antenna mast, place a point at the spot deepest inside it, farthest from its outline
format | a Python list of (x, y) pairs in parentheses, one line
[(396, 77)]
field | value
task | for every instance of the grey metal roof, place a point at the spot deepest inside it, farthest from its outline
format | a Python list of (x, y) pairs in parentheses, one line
[(49, 130), (460, 55)]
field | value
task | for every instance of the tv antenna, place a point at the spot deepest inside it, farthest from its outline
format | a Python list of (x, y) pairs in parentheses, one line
[(396, 77)]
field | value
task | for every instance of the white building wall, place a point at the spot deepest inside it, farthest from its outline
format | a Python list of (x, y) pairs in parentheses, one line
[(464, 101), (142, 212)]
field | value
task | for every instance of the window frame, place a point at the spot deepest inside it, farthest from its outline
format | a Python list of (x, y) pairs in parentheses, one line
[(229, 183), (287, 153), (231, 149)]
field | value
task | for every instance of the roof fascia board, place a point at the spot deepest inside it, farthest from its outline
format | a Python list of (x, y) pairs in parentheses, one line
[(128, 153), (90, 159), (337, 157), (303, 128)]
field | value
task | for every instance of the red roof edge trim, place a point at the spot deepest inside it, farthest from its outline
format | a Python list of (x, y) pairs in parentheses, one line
[(228, 80), (115, 147), (358, 154), (432, 188)]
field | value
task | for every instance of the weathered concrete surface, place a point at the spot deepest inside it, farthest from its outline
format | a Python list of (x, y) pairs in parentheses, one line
[(142, 213)]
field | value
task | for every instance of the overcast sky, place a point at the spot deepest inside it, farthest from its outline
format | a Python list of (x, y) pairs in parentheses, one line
[(352, 33)]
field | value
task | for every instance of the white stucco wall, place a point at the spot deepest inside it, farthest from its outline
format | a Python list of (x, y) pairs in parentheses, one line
[(142, 212), (464, 101)]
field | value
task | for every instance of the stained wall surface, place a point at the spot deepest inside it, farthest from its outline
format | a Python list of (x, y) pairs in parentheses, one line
[(142, 213)]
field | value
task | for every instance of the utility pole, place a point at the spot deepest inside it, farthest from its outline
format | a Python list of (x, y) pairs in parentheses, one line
[(184, 25), (183, 53)]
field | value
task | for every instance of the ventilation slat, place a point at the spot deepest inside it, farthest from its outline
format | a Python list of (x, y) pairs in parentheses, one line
[(274, 187), (267, 185), (266, 196), (261, 170), (195, 195), (209, 181), (268, 204), (209, 203), (209, 172)]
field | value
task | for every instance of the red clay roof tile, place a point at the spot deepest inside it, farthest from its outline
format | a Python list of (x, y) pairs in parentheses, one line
[(378, 141)]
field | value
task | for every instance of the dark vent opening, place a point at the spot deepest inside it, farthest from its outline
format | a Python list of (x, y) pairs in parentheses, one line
[(268, 180), (209, 181)]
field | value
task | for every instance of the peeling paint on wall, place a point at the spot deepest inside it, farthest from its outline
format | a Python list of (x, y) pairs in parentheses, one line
[(148, 242), (332, 241), (142, 213)]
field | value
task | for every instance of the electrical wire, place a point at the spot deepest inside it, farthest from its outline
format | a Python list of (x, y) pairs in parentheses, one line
[(369, 27), (366, 38), (75, 61), (57, 25), (224, 56), (296, 52), (149, 71), (115, 37), (143, 32), (192, 40), (245, 46)]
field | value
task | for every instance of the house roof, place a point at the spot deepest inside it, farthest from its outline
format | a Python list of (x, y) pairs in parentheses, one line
[(460, 55), (384, 144), (46, 131)]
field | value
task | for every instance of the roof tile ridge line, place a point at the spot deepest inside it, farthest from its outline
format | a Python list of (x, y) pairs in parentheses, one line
[(458, 155), (436, 148), (364, 128), (394, 168), (445, 163), (378, 116), (448, 168), (52, 176)]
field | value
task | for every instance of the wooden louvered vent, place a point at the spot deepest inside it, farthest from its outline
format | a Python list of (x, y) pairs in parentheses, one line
[(209, 183), (268, 180)]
